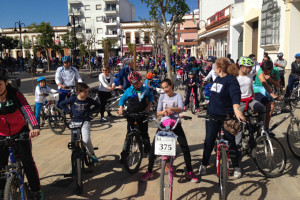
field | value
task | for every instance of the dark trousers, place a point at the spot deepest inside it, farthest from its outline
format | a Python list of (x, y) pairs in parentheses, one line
[(282, 80), (188, 94), (290, 85), (104, 96), (183, 145), (212, 129), (62, 96), (25, 154)]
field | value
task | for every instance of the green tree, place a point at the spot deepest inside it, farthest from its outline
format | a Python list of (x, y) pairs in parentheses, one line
[(9, 43), (44, 40), (158, 11), (130, 47)]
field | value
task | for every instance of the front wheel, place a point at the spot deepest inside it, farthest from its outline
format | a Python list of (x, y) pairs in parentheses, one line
[(192, 104), (56, 121), (133, 154), (223, 173), (166, 181), (12, 190), (269, 156), (77, 173), (293, 138)]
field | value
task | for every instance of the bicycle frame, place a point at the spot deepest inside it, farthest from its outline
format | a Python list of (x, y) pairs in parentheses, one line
[(222, 142)]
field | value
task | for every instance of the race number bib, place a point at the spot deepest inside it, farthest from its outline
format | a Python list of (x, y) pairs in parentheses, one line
[(165, 144)]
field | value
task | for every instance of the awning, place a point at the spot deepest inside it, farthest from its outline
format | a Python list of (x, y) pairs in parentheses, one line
[(139, 49), (211, 33)]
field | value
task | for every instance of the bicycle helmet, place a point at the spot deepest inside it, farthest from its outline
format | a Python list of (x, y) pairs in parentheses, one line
[(41, 79), (192, 73), (66, 59), (297, 55), (134, 77), (149, 76), (178, 67), (280, 54), (245, 61), (116, 75)]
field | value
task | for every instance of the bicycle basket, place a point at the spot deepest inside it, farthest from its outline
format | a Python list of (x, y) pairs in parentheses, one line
[(53, 97)]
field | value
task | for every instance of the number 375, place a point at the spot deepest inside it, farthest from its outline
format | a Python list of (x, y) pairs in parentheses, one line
[(165, 147)]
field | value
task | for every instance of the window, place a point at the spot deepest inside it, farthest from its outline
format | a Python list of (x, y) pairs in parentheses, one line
[(98, 7), (99, 42), (111, 6), (88, 31), (87, 7), (127, 38), (99, 19), (87, 19), (147, 37), (137, 37), (99, 30)]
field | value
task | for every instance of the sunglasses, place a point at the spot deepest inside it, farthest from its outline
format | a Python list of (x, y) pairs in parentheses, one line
[(104, 70)]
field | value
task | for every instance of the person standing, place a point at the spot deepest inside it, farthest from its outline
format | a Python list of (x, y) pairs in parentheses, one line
[(146, 63), (294, 76), (281, 63)]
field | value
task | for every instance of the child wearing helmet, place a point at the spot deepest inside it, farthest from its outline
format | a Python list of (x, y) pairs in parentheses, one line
[(149, 80), (138, 99), (179, 73), (191, 82), (41, 91)]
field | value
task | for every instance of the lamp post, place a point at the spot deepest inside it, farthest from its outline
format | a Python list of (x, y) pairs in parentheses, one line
[(121, 38), (73, 19), (20, 30)]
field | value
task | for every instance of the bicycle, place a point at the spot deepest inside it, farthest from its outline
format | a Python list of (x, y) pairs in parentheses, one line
[(222, 160), (132, 153), (266, 151), (15, 187), (79, 156), (193, 100), (165, 146)]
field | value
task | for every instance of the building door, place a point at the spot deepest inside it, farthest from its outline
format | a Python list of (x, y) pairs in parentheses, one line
[(254, 37), (240, 45)]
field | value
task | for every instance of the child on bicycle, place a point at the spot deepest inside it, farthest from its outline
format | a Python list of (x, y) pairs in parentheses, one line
[(191, 82), (41, 90), (139, 99), (149, 81), (170, 105), (80, 108)]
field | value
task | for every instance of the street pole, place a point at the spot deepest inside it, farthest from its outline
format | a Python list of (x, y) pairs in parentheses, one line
[(20, 29), (134, 57), (73, 18)]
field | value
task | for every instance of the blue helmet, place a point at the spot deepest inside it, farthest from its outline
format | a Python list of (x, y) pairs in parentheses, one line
[(178, 67), (297, 55), (41, 79), (66, 59), (116, 75)]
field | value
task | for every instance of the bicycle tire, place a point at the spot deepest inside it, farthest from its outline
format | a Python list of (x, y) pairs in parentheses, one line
[(57, 124), (192, 104), (12, 189), (166, 179), (223, 173), (133, 158), (176, 85), (293, 140), (78, 175), (294, 95), (261, 157)]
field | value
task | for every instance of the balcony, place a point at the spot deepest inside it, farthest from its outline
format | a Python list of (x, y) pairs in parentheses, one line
[(74, 1), (111, 34), (111, 23), (75, 12), (110, 11)]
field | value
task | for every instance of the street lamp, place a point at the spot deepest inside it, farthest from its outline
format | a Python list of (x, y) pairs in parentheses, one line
[(20, 30), (73, 19)]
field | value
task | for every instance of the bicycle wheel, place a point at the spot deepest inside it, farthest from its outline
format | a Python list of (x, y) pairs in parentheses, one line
[(12, 190), (56, 121), (77, 173), (192, 104), (293, 138), (134, 153), (177, 83), (166, 181), (269, 156), (223, 173)]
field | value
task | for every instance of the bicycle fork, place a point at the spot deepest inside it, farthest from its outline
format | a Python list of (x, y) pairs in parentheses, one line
[(220, 143)]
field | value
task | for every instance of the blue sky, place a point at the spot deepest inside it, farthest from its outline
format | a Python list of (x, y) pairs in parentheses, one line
[(53, 11)]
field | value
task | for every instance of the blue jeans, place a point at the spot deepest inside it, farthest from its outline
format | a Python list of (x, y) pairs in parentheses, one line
[(290, 86), (212, 129), (38, 108), (62, 96)]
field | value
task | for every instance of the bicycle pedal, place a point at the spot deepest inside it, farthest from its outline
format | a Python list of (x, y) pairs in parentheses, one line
[(96, 148)]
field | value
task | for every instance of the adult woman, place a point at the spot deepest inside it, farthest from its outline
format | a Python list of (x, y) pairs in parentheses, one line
[(14, 112), (225, 97), (106, 86), (169, 106)]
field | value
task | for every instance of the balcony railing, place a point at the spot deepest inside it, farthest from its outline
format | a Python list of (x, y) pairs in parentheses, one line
[(110, 10)]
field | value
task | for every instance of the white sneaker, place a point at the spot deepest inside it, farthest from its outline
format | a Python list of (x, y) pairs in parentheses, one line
[(237, 172), (202, 169)]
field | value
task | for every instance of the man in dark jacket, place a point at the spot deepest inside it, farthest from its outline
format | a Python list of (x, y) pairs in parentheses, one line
[(124, 72), (294, 76), (194, 66)]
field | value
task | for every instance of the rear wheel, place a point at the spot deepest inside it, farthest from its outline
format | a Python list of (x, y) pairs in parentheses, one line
[(293, 138), (12, 190), (166, 181), (133, 155), (223, 173), (56, 121), (192, 104), (269, 156)]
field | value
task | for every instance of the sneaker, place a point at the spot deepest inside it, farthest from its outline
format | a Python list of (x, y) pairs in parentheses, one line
[(191, 176), (184, 108), (202, 169), (237, 172), (94, 160), (206, 102), (198, 110), (39, 195), (103, 119), (147, 176)]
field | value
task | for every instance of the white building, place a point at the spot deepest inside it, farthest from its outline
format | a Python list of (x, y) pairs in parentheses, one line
[(100, 19), (143, 37)]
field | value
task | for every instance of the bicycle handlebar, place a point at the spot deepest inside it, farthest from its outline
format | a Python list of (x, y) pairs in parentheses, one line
[(165, 129), (9, 139)]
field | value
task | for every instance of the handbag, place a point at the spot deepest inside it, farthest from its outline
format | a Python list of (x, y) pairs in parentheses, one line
[(232, 126)]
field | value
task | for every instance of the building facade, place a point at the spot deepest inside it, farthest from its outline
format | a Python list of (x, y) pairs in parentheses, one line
[(100, 19)]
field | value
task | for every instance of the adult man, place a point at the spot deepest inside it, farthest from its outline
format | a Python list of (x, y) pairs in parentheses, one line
[(281, 63), (123, 75), (66, 77), (194, 66), (294, 76), (146, 63), (230, 59)]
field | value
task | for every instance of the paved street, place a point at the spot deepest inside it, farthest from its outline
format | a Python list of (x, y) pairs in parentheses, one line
[(110, 181)]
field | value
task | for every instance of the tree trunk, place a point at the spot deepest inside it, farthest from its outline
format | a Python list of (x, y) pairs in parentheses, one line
[(168, 61), (48, 62)]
